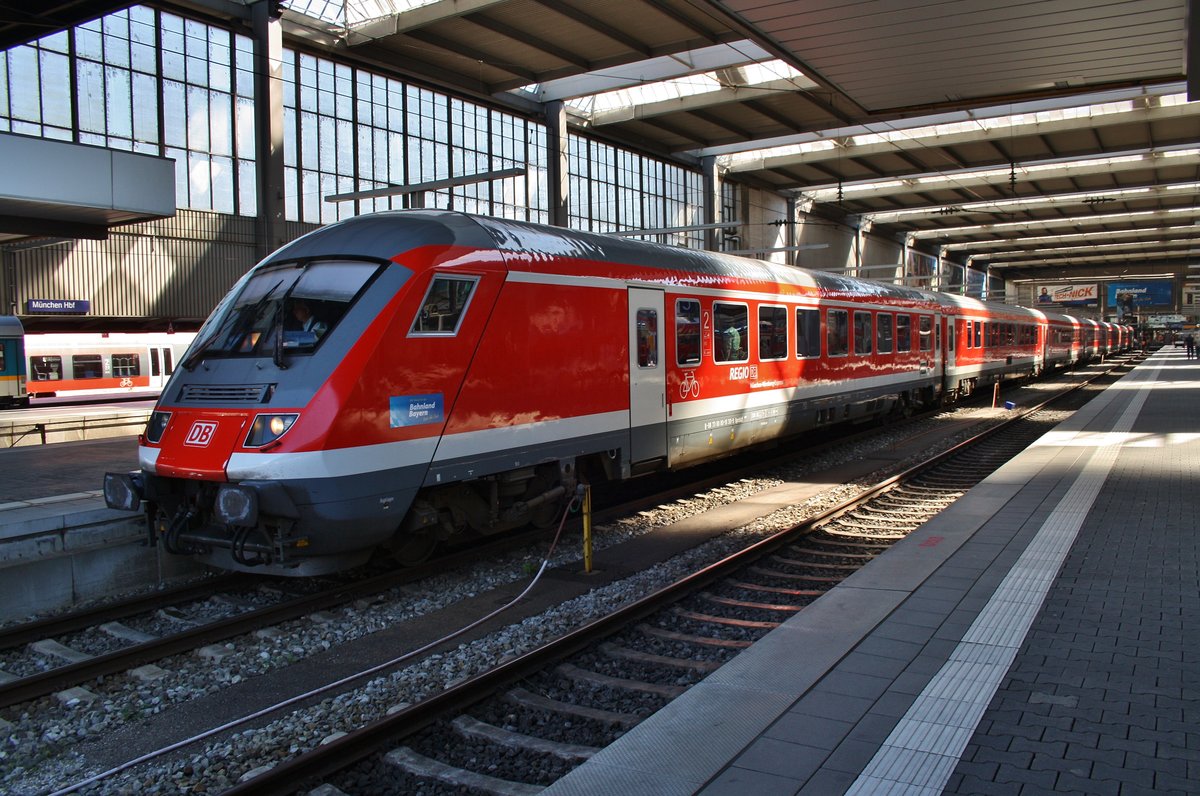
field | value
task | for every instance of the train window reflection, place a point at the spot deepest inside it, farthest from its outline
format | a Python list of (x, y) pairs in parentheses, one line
[(926, 333), (45, 368), (445, 305), (862, 333), (808, 333), (837, 333), (259, 317), (126, 365), (647, 338), (731, 325), (87, 366), (903, 333), (687, 332), (772, 333), (883, 333)]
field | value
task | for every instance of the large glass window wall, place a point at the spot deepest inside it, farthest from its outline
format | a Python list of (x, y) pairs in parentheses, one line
[(154, 82)]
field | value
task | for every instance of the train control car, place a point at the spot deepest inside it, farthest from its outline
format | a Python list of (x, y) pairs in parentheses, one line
[(402, 378)]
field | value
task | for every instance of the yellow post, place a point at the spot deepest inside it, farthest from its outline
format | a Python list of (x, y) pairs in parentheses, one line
[(587, 529)]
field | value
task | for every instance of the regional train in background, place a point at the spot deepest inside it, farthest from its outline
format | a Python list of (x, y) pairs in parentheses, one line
[(400, 379), (92, 365)]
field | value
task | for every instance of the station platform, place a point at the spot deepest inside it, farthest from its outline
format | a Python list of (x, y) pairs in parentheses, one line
[(59, 543), (1034, 638)]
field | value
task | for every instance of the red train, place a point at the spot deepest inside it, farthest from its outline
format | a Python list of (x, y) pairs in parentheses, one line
[(403, 378)]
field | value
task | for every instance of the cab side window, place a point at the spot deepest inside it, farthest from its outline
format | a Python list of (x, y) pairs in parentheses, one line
[(444, 305)]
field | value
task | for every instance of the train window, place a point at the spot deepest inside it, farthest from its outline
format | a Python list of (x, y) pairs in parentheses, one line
[(837, 333), (87, 366), (772, 333), (863, 333), (926, 332), (168, 363), (126, 365), (45, 368), (155, 370), (808, 333), (731, 323), (647, 338), (903, 333), (883, 332), (2, 366), (445, 305), (687, 332), (978, 334)]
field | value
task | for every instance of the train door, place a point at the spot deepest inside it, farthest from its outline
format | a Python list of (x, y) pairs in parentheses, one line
[(161, 366), (647, 376), (950, 337)]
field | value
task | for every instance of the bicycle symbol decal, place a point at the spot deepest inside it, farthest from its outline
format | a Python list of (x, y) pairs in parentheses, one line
[(689, 385)]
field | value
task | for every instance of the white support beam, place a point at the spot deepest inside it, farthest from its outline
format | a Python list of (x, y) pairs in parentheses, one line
[(1086, 238), (380, 18), (894, 139), (1055, 223), (694, 102), (968, 178), (1099, 198), (651, 70), (954, 117), (434, 185)]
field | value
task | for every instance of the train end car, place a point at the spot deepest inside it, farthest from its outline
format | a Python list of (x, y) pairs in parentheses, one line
[(12, 362)]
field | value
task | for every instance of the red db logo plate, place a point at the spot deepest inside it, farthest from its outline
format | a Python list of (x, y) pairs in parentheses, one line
[(201, 433)]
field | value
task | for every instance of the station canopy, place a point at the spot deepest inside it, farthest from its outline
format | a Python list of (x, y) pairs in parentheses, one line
[(1033, 138)]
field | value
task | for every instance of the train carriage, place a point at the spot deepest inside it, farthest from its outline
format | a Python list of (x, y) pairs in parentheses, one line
[(12, 362), (101, 364)]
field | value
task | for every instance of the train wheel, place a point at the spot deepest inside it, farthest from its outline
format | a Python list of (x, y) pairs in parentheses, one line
[(413, 548)]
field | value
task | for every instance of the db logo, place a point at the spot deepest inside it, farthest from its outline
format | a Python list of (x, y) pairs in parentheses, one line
[(201, 433)]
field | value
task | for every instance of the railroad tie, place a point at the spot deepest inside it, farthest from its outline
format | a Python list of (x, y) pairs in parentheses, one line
[(53, 649), (724, 620), (573, 672), (419, 765), (625, 653), (127, 633), (471, 727), (528, 699), (688, 638)]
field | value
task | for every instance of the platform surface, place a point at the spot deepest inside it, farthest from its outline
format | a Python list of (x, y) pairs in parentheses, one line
[(1037, 637)]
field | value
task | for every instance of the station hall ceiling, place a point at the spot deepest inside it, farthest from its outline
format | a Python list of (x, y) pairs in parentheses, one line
[(1041, 137)]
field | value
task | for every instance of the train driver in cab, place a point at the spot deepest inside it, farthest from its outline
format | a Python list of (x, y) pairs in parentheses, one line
[(308, 322)]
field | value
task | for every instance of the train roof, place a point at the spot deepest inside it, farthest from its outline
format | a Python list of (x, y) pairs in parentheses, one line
[(386, 234), (10, 326)]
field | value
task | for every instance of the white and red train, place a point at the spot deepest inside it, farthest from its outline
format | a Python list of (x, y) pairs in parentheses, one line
[(84, 364), (465, 372)]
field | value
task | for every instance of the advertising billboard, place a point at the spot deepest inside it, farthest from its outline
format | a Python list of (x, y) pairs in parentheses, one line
[(1128, 297), (1076, 295)]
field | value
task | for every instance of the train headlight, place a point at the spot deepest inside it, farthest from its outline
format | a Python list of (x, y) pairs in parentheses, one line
[(157, 425), (123, 491), (236, 505), (268, 428)]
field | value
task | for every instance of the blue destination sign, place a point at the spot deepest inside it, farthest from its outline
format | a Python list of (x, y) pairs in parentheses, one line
[(58, 306), (416, 410)]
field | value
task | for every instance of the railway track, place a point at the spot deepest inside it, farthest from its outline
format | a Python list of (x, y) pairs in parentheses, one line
[(520, 726), (749, 593)]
